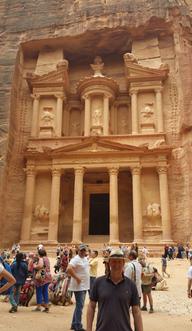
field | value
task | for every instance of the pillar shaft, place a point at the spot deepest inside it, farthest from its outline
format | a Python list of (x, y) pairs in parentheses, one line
[(35, 115), (165, 208), (28, 207), (78, 205), (159, 111), (137, 207), (59, 115), (87, 116), (54, 205), (134, 111), (106, 116), (114, 222)]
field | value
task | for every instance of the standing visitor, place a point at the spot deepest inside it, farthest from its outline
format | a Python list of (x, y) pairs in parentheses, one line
[(78, 269), (164, 266), (42, 279), (146, 285), (10, 280), (19, 271), (93, 264), (115, 294), (189, 275), (133, 270)]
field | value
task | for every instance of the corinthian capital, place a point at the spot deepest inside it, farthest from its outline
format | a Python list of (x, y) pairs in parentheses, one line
[(136, 170), (79, 171), (113, 171), (162, 170), (30, 170), (56, 171)]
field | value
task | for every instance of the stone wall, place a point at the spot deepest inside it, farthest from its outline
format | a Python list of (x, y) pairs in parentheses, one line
[(29, 24)]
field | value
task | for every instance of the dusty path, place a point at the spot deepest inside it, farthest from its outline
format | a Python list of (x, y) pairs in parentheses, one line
[(173, 311)]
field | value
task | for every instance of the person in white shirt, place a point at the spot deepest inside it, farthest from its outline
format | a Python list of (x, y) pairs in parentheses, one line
[(189, 276), (78, 269), (10, 279), (133, 270)]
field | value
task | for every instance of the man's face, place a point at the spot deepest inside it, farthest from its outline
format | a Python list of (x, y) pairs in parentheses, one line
[(82, 253), (116, 264)]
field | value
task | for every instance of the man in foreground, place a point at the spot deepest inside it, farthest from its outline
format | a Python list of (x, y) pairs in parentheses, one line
[(115, 294)]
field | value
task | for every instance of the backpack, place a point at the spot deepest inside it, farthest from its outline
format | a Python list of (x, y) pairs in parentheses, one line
[(3, 281)]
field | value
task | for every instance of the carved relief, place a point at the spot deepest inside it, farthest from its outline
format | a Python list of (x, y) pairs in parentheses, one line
[(147, 113), (75, 122), (47, 117), (153, 210), (41, 213), (97, 66), (97, 117), (122, 120)]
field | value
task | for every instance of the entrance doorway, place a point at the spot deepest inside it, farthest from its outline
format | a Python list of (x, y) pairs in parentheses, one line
[(99, 214)]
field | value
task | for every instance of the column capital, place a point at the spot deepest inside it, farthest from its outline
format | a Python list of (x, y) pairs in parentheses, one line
[(158, 89), (113, 171), (133, 91), (35, 96), (56, 171), (136, 170), (86, 96), (79, 170), (162, 170), (59, 96), (30, 170)]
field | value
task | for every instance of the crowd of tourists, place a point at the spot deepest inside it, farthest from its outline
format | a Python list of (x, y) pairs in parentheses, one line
[(128, 281)]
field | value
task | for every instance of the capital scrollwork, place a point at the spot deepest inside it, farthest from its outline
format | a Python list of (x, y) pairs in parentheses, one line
[(136, 170), (162, 170), (113, 171), (56, 172), (30, 171), (79, 171)]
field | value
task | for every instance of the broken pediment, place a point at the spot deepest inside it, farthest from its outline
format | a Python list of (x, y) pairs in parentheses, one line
[(58, 77), (137, 73)]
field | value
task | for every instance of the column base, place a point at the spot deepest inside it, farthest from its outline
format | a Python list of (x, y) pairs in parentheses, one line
[(76, 242), (167, 241)]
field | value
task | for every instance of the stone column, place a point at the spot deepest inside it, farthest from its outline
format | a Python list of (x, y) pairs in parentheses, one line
[(165, 208), (35, 115), (113, 193), (54, 205), (28, 206), (59, 115), (137, 207), (106, 116), (78, 205), (134, 112), (87, 116), (159, 110)]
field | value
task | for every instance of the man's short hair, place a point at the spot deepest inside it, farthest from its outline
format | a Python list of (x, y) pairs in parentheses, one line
[(96, 252), (133, 254)]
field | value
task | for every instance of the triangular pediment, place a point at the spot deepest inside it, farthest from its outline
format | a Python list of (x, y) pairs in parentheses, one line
[(58, 77), (96, 145), (135, 72)]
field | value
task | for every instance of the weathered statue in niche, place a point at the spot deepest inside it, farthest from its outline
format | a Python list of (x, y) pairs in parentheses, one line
[(47, 117), (97, 66), (147, 112), (41, 213), (153, 210), (97, 117)]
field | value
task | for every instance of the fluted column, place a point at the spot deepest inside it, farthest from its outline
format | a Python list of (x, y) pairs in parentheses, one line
[(159, 110), (54, 205), (165, 207), (134, 112), (114, 222), (78, 205), (87, 116), (59, 115), (28, 206), (137, 207), (35, 115), (106, 116)]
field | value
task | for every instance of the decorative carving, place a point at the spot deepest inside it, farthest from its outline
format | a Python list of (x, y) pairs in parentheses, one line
[(56, 172), (147, 112), (97, 67), (47, 118), (153, 210), (136, 170), (97, 117), (30, 170), (41, 213), (79, 171), (162, 170), (129, 57), (113, 171)]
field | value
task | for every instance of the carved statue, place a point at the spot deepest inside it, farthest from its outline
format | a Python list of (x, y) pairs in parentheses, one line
[(41, 213), (147, 112), (97, 66), (47, 118), (153, 209), (129, 57), (97, 117)]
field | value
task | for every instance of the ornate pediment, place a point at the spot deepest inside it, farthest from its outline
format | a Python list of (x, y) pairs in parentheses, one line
[(58, 77), (136, 72), (96, 145)]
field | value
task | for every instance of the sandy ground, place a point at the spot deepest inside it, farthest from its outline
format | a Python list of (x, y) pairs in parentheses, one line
[(173, 310)]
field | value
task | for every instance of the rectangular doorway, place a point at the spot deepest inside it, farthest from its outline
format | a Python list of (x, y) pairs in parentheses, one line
[(99, 214)]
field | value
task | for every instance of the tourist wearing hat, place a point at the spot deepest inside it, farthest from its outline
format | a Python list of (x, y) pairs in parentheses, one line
[(115, 294), (78, 269)]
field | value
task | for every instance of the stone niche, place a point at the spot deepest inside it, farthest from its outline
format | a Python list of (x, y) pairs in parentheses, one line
[(123, 120), (151, 209), (47, 117), (97, 115), (147, 116), (41, 208)]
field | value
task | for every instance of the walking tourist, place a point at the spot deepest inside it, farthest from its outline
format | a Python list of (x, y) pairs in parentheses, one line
[(115, 294), (164, 266), (189, 275), (42, 279), (19, 270), (146, 283), (133, 270), (78, 269)]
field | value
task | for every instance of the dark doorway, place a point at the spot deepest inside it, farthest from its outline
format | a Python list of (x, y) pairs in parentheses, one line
[(99, 214)]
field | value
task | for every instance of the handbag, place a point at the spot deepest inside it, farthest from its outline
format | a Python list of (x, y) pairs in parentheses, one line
[(41, 273)]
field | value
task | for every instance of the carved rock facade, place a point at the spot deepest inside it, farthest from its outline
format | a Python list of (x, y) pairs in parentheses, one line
[(96, 114)]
